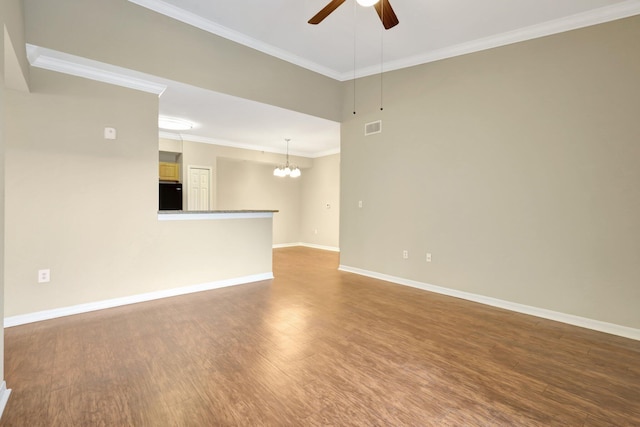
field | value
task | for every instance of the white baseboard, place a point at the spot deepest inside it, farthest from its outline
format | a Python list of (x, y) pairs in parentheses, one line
[(133, 299), (324, 248), (307, 245), (285, 245), (4, 396), (596, 325)]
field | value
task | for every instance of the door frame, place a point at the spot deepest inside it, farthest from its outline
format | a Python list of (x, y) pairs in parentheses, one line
[(210, 169)]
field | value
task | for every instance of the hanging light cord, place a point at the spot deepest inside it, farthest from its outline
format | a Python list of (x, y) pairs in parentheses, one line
[(287, 151), (382, 61), (355, 8)]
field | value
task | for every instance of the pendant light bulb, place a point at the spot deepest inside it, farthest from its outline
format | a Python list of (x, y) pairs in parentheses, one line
[(287, 170)]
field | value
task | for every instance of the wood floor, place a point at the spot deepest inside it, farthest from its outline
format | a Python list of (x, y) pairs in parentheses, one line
[(317, 347)]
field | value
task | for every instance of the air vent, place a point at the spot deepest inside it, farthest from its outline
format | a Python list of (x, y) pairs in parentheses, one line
[(373, 127)]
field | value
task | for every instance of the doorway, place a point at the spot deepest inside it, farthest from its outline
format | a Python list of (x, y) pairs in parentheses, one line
[(199, 188)]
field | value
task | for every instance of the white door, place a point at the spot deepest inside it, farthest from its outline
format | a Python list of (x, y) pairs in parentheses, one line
[(199, 189)]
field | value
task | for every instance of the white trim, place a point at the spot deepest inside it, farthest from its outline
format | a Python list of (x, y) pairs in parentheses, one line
[(592, 17), (170, 135), (325, 153), (596, 325), (573, 22), (285, 245), (86, 68), (229, 34), (226, 143), (4, 396), (212, 215), (307, 245), (321, 247), (133, 299)]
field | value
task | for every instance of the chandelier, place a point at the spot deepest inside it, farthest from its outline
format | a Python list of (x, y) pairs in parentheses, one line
[(287, 170)]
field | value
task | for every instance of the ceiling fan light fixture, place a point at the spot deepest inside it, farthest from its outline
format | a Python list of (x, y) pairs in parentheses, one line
[(383, 8), (367, 3)]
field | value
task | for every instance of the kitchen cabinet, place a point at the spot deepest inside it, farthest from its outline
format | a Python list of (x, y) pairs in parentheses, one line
[(169, 171)]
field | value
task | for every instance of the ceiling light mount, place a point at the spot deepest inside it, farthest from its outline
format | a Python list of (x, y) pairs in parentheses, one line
[(174, 123), (367, 3), (383, 7), (287, 170)]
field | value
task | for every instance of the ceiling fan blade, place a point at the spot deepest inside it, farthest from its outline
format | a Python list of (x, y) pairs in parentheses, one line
[(326, 11), (386, 14)]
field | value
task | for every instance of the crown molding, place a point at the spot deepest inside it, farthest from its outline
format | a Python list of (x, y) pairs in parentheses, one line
[(593, 17), (325, 153), (234, 144), (222, 142), (586, 19), (52, 60), (194, 20)]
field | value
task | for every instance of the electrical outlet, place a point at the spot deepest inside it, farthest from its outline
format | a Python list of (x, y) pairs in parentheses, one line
[(359, 203), (315, 231), (428, 257), (405, 254), (44, 276)]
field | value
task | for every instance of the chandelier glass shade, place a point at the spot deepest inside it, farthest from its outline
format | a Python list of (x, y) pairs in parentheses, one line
[(287, 169)]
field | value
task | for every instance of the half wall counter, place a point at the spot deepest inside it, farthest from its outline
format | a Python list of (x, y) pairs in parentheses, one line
[(211, 249), (216, 214)]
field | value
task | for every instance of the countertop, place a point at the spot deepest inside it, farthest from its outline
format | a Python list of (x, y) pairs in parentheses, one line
[(217, 214), (216, 211)]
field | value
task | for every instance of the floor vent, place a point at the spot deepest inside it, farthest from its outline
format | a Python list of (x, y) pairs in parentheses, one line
[(373, 127)]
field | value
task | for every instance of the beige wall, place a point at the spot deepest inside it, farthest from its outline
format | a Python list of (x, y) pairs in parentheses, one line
[(247, 185), (11, 27), (17, 65), (320, 225), (243, 179), (207, 155), (3, 17), (124, 34), (517, 168), (86, 207)]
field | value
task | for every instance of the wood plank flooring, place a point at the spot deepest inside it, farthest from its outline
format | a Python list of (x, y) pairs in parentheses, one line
[(317, 347)]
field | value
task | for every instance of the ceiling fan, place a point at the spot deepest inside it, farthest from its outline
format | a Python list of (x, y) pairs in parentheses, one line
[(383, 7)]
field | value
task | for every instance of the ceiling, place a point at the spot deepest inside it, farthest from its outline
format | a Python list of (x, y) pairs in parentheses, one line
[(228, 120), (428, 29), (349, 42)]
